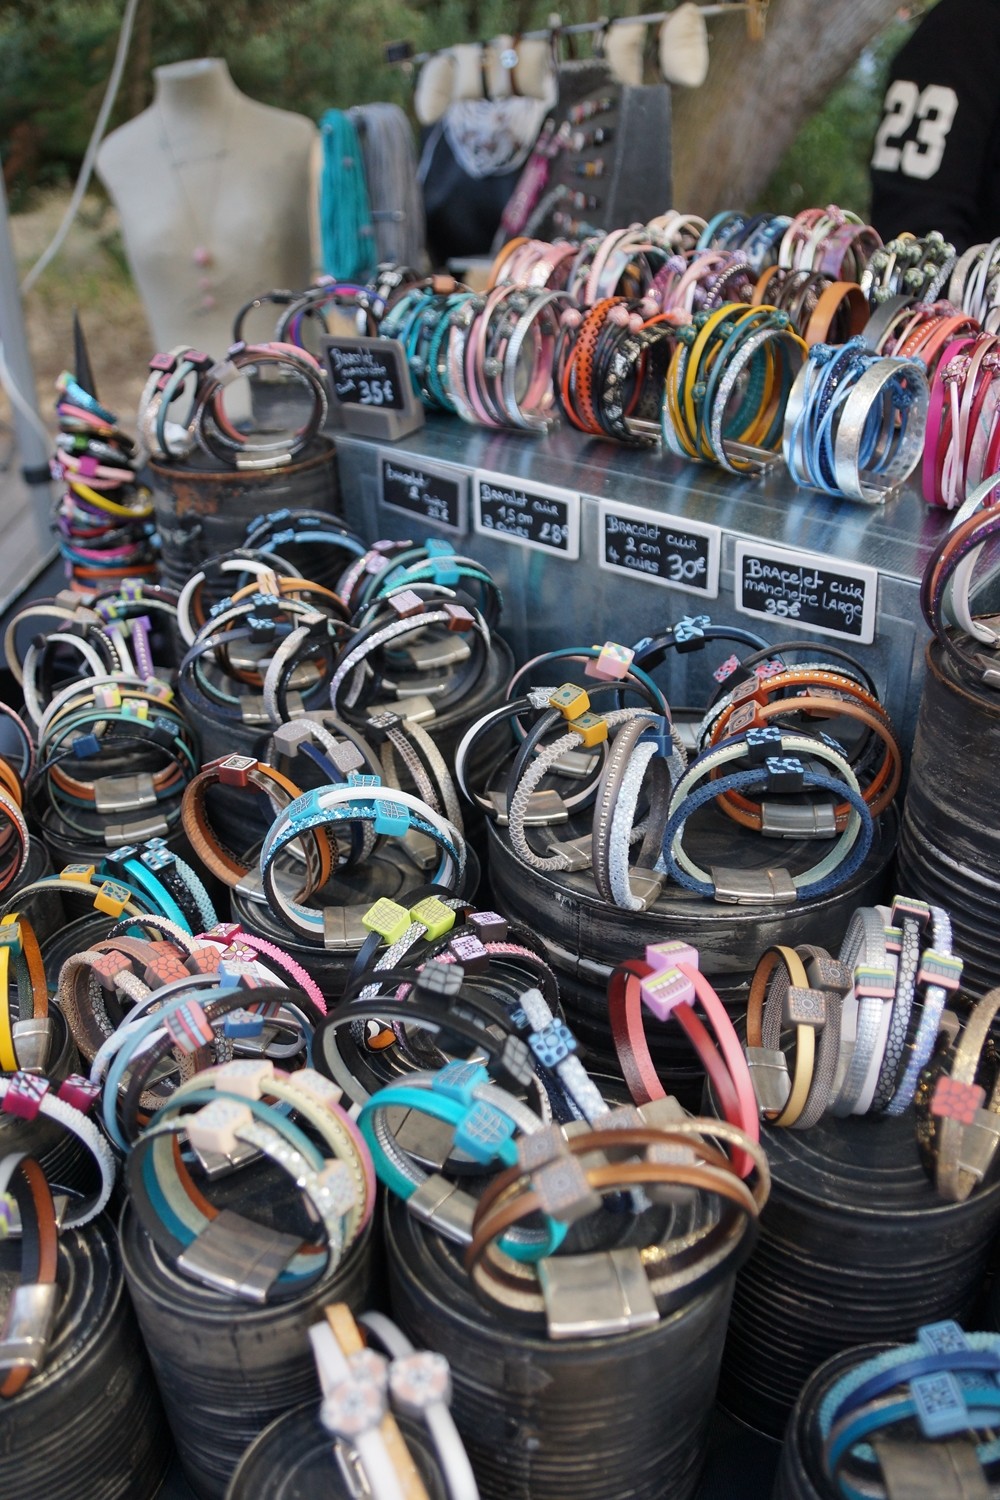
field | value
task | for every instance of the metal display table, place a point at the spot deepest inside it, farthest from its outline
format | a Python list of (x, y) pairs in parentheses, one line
[(847, 553)]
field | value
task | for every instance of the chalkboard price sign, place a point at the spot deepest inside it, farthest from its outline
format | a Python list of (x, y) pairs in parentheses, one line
[(367, 372), (370, 388), (435, 493), (679, 553), (824, 595), (529, 515)]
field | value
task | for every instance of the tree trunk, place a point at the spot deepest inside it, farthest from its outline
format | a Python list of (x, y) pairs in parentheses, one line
[(730, 134)]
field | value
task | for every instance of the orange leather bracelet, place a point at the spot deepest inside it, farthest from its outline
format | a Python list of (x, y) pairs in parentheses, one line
[(877, 794), (242, 772), (838, 295)]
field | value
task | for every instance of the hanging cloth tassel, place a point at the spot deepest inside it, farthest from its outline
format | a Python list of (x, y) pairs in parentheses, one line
[(347, 239)]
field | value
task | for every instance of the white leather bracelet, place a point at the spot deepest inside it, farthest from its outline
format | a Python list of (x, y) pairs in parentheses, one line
[(420, 1387)]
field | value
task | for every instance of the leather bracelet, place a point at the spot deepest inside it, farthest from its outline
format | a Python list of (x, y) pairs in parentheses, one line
[(805, 1009), (25, 1038), (878, 793), (967, 1134), (26, 1096), (864, 951), (242, 773), (938, 976), (162, 1192), (773, 885), (833, 979), (352, 1379), (213, 429), (625, 1014), (641, 751), (31, 1311)]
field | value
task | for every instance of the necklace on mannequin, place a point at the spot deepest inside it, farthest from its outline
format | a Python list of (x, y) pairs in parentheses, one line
[(202, 253)]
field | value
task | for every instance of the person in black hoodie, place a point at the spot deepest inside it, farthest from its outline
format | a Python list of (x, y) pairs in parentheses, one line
[(936, 159)]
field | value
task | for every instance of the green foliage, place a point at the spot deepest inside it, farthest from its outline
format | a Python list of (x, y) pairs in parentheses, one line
[(306, 55), (311, 55), (828, 162)]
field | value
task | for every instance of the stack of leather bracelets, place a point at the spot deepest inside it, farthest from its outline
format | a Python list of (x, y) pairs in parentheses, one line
[(103, 519), (969, 642), (881, 1421), (851, 1035), (855, 423), (183, 406), (678, 333), (757, 749)]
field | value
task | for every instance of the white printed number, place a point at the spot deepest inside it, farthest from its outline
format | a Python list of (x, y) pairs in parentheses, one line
[(554, 534), (376, 392), (934, 108), (788, 611)]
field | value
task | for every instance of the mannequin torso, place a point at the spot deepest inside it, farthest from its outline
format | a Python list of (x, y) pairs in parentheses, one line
[(213, 193)]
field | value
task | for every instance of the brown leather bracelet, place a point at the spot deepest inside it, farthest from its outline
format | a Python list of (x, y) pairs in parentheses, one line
[(721, 1182), (40, 1257), (243, 772)]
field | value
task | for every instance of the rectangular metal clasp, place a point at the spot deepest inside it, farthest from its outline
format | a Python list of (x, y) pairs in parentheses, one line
[(238, 1256), (32, 1040), (342, 927), (445, 1207), (978, 1144), (414, 705), (786, 820), (576, 764), (421, 849), (753, 887), (427, 656), (27, 1328), (117, 834), (113, 794), (252, 710), (769, 1076), (577, 852), (589, 1296), (215, 1165), (543, 808)]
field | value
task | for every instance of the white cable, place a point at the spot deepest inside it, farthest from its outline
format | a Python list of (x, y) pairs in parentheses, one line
[(19, 400), (100, 125)]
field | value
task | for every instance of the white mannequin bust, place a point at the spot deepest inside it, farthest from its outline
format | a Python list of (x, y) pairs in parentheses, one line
[(213, 191)]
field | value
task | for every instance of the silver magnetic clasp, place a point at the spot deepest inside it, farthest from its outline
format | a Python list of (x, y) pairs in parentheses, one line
[(577, 764), (416, 706), (769, 1076), (978, 1143), (251, 887), (421, 849), (428, 656), (576, 852), (117, 834), (124, 793), (543, 808), (753, 887), (342, 927), (28, 1326), (252, 710), (32, 1040), (238, 1256), (215, 1164), (589, 1296), (785, 820), (445, 1208), (645, 886)]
